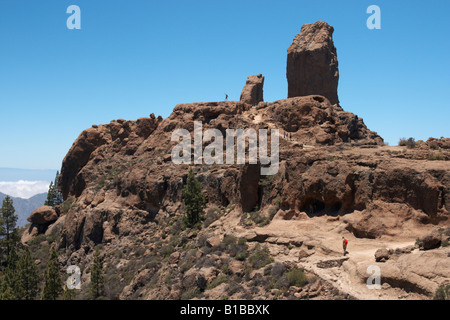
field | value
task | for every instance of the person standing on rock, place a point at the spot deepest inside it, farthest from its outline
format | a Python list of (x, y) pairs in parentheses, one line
[(344, 245)]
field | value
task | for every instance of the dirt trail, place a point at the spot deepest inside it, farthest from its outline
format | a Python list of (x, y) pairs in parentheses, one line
[(322, 241), (349, 277)]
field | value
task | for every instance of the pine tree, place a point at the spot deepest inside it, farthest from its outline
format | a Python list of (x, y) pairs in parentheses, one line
[(53, 286), (96, 286), (6, 292), (49, 201), (8, 220), (28, 277), (194, 200), (10, 275), (68, 294), (54, 197)]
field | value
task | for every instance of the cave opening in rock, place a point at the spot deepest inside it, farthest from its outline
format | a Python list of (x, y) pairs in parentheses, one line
[(335, 208), (314, 207), (319, 99)]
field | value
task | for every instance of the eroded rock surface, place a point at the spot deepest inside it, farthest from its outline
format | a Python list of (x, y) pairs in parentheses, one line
[(312, 65)]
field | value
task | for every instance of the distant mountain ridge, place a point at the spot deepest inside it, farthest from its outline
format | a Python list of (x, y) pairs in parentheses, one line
[(24, 207)]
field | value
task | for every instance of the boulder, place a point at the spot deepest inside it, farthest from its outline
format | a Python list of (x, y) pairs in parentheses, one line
[(312, 65), (252, 93), (43, 215), (174, 257), (381, 255), (367, 225), (430, 241), (214, 241), (236, 267), (303, 254)]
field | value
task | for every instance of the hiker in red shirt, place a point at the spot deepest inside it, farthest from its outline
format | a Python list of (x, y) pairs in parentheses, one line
[(344, 245)]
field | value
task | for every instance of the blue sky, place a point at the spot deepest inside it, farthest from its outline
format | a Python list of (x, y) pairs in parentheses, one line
[(135, 57)]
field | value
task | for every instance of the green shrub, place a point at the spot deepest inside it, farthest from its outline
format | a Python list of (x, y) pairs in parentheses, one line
[(177, 225), (110, 179), (37, 240), (225, 269), (212, 214), (442, 293), (432, 143), (190, 294), (410, 143), (186, 266), (436, 156), (255, 217), (242, 241), (241, 256), (296, 277), (277, 202), (272, 212), (113, 286), (222, 278), (260, 257), (68, 204), (166, 251), (239, 249), (229, 240), (230, 208), (151, 262), (233, 288), (267, 181), (418, 242)]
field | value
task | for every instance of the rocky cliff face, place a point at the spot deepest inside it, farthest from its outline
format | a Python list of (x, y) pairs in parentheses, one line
[(312, 65), (123, 192), (128, 163)]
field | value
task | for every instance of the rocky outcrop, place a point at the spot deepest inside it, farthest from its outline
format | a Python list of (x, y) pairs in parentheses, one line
[(418, 273), (252, 93), (313, 120), (131, 164), (40, 220), (119, 135), (312, 65), (130, 177), (122, 189), (378, 186), (43, 215)]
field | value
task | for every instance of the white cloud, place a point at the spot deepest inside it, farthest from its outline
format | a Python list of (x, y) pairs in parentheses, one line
[(23, 189)]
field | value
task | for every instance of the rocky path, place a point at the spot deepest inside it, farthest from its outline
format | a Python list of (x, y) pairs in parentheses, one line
[(315, 245), (347, 273)]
